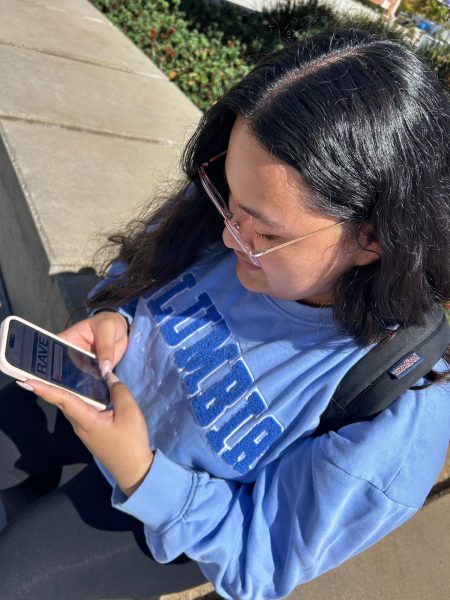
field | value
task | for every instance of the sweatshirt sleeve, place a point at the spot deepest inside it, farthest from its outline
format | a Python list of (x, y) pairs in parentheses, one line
[(115, 271), (307, 512)]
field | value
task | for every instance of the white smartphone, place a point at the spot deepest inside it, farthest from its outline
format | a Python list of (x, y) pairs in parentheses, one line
[(29, 352)]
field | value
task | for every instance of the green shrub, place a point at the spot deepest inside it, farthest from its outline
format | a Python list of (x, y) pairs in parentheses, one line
[(439, 58), (259, 33), (203, 66), (205, 48)]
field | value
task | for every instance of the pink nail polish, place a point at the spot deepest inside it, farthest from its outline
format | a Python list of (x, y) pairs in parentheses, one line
[(105, 367), (111, 378), (25, 386)]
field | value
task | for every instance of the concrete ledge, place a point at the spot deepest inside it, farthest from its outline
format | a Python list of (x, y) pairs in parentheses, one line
[(71, 29), (89, 129), (410, 563), (344, 7)]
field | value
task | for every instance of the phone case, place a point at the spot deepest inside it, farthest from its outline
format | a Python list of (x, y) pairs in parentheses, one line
[(21, 375)]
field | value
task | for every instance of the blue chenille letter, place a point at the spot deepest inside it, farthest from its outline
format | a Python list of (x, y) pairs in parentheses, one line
[(253, 445), (178, 328), (253, 407), (155, 305), (203, 357), (211, 404)]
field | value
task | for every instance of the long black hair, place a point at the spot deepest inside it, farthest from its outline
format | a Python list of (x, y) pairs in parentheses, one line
[(366, 123)]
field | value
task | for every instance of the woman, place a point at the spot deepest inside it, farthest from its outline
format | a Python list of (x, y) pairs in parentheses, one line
[(313, 221)]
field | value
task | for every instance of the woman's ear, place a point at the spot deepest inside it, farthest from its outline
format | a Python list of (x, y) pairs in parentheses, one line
[(369, 248)]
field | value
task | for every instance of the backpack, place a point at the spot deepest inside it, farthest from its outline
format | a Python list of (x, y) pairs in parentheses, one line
[(385, 372)]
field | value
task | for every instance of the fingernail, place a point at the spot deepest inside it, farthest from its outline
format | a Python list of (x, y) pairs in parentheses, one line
[(105, 367), (25, 386), (111, 378)]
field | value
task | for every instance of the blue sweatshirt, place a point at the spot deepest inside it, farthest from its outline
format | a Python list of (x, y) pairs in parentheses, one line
[(232, 383)]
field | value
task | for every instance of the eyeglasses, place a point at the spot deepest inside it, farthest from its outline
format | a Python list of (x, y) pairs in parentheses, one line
[(233, 226)]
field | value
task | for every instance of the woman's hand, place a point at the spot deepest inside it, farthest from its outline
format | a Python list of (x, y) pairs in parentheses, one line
[(118, 438), (105, 335)]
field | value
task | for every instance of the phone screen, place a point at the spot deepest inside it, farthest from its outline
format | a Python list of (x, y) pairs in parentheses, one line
[(38, 354)]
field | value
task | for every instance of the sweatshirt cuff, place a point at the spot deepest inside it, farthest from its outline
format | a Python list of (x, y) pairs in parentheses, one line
[(128, 316), (163, 497)]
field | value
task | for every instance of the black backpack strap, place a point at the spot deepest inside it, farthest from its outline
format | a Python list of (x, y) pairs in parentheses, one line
[(385, 372)]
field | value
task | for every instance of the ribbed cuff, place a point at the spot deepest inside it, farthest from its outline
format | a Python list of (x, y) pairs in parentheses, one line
[(119, 310), (163, 496)]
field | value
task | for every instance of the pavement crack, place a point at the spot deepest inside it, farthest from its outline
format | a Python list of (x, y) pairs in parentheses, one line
[(92, 130), (84, 60)]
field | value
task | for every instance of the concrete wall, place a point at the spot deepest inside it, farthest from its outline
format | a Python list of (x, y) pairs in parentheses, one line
[(351, 7), (89, 129)]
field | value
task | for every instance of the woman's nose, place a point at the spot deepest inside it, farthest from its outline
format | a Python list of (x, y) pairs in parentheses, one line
[(228, 240), (243, 232)]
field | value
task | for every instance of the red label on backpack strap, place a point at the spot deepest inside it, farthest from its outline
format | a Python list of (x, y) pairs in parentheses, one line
[(405, 365)]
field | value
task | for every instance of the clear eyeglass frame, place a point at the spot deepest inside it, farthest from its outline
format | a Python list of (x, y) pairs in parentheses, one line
[(233, 226)]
